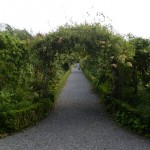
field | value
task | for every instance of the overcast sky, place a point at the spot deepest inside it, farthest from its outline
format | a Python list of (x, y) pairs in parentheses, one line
[(128, 16)]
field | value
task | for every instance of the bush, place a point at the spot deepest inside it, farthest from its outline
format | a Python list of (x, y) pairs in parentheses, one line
[(15, 120), (134, 118), (26, 113), (130, 117)]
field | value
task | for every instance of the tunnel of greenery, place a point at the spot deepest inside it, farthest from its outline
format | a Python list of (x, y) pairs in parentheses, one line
[(32, 67)]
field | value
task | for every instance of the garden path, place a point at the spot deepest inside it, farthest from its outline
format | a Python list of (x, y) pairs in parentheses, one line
[(78, 122)]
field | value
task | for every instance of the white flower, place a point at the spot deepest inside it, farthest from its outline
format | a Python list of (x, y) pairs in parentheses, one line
[(102, 42), (114, 65), (112, 57), (122, 58), (129, 64)]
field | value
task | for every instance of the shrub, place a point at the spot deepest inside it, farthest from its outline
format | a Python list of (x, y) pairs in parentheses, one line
[(15, 120)]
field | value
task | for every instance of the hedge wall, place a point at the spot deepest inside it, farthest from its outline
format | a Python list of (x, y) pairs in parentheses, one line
[(123, 113), (16, 120), (129, 117)]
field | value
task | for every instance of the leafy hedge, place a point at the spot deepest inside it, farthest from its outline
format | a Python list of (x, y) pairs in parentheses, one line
[(60, 84), (16, 120), (32, 72), (32, 67), (129, 117), (123, 113)]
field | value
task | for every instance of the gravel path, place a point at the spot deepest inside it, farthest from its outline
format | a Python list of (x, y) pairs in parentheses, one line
[(77, 123)]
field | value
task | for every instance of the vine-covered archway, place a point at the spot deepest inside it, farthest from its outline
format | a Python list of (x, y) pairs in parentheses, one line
[(118, 66), (110, 58)]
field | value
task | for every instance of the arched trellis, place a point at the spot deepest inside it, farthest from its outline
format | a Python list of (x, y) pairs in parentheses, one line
[(31, 69), (118, 66), (70, 43), (108, 56)]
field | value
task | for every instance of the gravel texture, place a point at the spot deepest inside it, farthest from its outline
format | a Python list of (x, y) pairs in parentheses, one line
[(77, 123)]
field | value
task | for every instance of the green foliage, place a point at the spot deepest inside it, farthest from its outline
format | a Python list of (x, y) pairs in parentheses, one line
[(15, 120), (20, 34), (136, 119), (118, 67), (24, 113), (131, 118), (13, 60)]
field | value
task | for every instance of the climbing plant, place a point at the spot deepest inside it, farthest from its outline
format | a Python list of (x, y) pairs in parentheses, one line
[(118, 66)]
